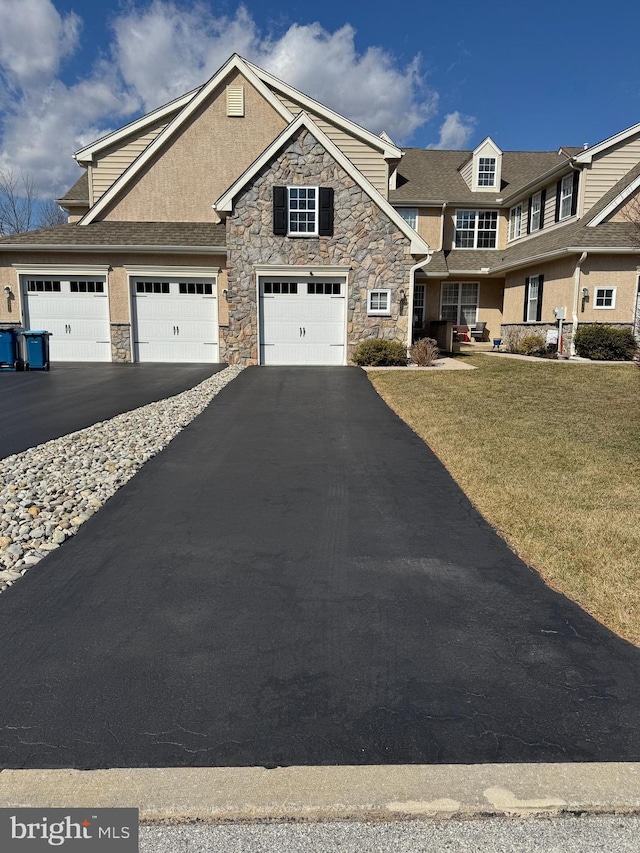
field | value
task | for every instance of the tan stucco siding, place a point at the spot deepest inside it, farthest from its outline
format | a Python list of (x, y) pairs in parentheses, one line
[(619, 271), (77, 215), (430, 226), (607, 168), (118, 288), (111, 164), (202, 160), (558, 289), (365, 158)]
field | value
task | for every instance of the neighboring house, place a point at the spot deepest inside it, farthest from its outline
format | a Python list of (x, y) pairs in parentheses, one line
[(517, 234), (245, 222)]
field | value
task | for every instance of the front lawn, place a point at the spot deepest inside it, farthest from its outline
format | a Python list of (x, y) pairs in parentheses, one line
[(550, 454)]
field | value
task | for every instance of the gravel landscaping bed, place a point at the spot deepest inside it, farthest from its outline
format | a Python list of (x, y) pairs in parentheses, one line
[(49, 491)]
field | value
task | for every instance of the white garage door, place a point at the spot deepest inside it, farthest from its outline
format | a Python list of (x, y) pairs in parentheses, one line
[(302, 322), (175, 320), (75, 311)]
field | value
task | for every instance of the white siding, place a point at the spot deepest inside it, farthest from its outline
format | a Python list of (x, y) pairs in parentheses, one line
[(112, 163), (467, 172), (366, 159), (607, 169)]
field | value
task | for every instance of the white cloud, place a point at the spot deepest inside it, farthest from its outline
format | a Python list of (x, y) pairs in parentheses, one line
[(34, 38), (455, 131), (160, 50)]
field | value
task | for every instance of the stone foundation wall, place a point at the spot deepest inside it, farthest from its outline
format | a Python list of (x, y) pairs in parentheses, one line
[(364, 239), (516, 330), (121, 343)]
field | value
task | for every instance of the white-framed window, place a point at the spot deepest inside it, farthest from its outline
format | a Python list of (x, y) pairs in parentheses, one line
[(604, 297), (303, 211), (379, 302), (515, 222), (535, 212), (486, 171), (476, 229), (532, 300), (459, 302), (418, 305), (410, 216), (566, 197)]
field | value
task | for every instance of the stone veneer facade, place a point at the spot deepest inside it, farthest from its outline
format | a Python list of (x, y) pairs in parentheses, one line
[(121, 343), (364, 239)]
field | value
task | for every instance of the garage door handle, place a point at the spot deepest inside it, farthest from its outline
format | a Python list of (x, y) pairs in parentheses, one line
[(303, 332)]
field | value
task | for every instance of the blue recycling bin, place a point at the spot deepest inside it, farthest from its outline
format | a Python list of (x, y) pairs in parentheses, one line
[(11, 348), (37, 349)]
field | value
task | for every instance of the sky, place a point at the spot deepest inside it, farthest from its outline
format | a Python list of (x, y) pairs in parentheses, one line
[(441, 75)]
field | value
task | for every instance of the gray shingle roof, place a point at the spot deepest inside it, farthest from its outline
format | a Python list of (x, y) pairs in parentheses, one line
[(431, 175), (178, 234), (79, 191), (437, 264)]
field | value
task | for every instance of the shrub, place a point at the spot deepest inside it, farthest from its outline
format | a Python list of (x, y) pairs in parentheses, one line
[(512, 338), (532, 345), (424, 352), (377, 352), (605, 343)]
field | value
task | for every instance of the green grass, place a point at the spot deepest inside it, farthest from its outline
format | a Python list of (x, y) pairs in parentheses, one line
[(550, 454)]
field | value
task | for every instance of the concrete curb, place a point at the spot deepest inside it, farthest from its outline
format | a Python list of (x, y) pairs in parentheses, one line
[(334, 793)]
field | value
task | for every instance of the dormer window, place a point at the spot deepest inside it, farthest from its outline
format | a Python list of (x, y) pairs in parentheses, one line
[(486, 171), (483, 172)]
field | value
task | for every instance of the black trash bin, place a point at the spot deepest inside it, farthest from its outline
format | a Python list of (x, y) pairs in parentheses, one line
[(37, 349), (11, 348)]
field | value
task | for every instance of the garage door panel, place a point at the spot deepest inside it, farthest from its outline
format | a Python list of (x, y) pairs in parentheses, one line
[(175, 326), (303, 327), (79, 323)]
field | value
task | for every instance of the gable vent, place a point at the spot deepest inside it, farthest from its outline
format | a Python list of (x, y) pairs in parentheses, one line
[(235, 101)]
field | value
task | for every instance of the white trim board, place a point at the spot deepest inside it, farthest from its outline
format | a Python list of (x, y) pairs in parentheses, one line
[(61, 269), (172, 272), (381, 143), (85, 155), (588, 154), (225, 202)]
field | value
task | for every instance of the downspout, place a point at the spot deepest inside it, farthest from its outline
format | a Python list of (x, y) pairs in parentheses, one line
[(576, 299), (444, 207), (412, 275)]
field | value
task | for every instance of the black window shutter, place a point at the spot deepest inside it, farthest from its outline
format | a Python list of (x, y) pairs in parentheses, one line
[(558, 191), (529, 215), (539, 305), (543, 198), (574, 193), (325, 210), (526, 299), (279, 210)]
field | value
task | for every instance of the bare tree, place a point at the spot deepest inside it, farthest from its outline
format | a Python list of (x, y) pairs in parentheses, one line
[(17, 202), (50, 213)]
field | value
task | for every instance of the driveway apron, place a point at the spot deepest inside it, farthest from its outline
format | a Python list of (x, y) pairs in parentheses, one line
[(297, 580)]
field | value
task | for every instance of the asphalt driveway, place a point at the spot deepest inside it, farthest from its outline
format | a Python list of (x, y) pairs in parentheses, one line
[(40, 405), (297, 580)]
